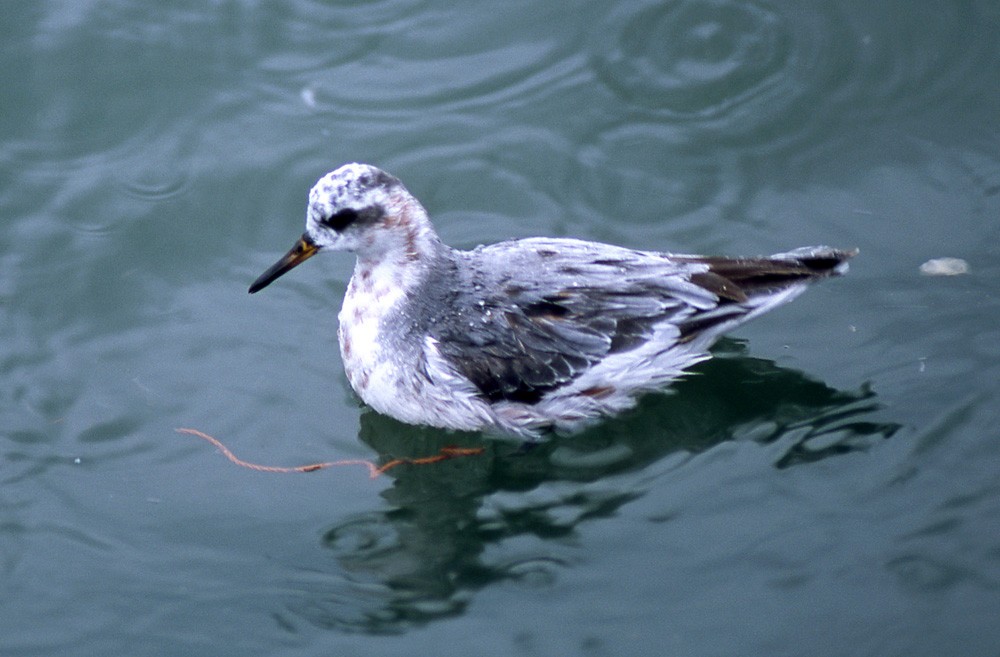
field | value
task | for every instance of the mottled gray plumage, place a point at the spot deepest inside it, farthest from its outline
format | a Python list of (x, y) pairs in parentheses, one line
[(524, 335)]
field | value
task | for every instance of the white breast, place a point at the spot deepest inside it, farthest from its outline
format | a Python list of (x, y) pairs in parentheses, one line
[(412, 384), (370, 297)]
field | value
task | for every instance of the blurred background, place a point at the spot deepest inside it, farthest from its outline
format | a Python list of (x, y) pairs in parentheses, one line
[(827, 485)]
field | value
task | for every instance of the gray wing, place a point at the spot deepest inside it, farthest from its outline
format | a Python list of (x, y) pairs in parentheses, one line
[(547, 310), (546, 314), (547, 342)]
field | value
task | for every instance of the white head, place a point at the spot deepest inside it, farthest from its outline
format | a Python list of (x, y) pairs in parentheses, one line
[(346, 201), (357, 208)]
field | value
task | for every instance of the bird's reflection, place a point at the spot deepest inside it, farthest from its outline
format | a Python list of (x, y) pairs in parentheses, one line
[(421, 557)]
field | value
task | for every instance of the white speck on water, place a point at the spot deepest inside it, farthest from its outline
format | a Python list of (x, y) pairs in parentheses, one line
[(944, 267), (308, 95)]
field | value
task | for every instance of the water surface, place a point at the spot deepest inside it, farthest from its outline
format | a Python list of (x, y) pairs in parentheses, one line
[(827, 485)]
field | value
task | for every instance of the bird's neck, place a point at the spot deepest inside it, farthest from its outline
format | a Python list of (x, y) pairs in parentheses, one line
[(403, 252)]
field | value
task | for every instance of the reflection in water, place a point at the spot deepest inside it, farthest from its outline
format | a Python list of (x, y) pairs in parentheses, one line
[(423, 557)]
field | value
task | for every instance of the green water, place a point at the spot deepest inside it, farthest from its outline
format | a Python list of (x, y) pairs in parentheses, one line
[(826, 486)]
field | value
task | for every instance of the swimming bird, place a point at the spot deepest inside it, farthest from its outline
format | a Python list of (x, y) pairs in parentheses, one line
[(527, 335)]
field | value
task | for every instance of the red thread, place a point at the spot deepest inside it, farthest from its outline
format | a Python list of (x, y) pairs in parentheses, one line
[(374, 470)]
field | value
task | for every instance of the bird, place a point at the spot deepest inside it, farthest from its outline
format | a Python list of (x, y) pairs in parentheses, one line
[(524, 337)]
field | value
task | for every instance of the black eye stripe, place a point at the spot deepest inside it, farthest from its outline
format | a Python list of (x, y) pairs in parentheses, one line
[(341, 220), (346, 217)]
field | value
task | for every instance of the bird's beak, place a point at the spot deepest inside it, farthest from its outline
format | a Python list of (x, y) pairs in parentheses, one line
[(304, 249)]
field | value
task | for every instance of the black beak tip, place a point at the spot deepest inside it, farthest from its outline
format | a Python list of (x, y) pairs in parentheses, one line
[(258, 285), (263, 281)]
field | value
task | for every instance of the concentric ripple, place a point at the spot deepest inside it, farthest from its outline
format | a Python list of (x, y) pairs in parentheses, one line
[(695, 58), (749, 73)]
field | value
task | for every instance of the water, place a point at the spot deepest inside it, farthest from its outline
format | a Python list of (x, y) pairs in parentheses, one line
[(826, 486)]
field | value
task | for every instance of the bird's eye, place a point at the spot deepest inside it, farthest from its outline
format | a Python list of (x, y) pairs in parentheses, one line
[(341, 219)]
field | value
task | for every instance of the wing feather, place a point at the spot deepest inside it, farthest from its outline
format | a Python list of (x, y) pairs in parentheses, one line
[(548, 310)]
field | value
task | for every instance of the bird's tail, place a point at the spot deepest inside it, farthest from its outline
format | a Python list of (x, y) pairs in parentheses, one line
[(739, 279), (748, 287)]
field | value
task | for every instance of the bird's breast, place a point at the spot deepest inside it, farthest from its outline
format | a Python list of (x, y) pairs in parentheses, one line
[(366, 344)]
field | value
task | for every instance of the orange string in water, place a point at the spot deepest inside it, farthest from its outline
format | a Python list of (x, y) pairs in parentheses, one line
[(374, 470)]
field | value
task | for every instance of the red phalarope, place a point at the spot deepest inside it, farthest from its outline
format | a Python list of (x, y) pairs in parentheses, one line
[(525, 335)]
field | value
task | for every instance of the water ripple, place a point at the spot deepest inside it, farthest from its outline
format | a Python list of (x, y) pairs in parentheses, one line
[(757, 76), (386, 85), (156, 181), (694, 58)]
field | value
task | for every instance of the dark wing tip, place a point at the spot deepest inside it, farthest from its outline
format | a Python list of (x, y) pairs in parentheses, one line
[(820, 259), (737, 279)]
